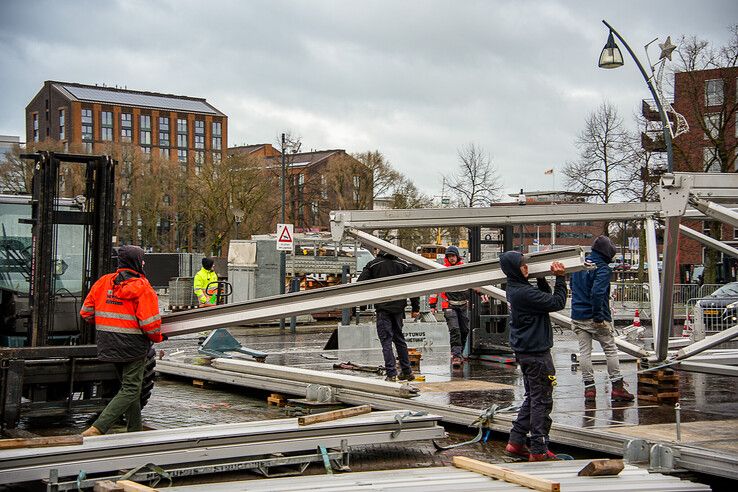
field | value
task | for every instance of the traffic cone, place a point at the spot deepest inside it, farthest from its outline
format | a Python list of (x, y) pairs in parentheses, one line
[(636, 319)]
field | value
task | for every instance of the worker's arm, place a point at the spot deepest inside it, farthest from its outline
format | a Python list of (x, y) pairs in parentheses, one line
[(88, 306), (199, 285), (147, 312)]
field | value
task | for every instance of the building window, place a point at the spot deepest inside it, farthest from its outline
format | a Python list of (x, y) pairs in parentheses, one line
[(217, 135), (164, 132), (199, 134), (713, 123), (87, 128), (181, 133), (167, 200), (145, 130), (106, 126), (323, 187), (199, 161), (735, 233), (357, 183), (125, 199), (35, 127), (182, 155), (714, 92), (126, 127), (164, 153), (314, 209), (711, 160), (62, 133), (146, 150), (216, 157)]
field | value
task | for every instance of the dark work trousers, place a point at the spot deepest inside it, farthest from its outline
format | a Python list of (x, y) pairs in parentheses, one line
[(539, 378), (457, 320), (128, 400), (389, 330)]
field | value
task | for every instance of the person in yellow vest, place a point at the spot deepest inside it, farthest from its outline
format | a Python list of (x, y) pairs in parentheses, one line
[(205, 284)]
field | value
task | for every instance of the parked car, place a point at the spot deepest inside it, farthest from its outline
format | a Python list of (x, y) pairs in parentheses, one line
[(720, 309)]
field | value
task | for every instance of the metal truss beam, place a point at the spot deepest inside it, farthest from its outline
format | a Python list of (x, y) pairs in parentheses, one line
[(488, 216), (707, 343), (212, 444), (370, 292), (708, 241), (654, 285), (715, 211), (490, 290), (709, 368), (662, 331)]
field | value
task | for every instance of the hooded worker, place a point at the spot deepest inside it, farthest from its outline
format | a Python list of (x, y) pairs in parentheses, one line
[(592, 320), (205, 284), (454, 305), (531, 338), (125, 310)]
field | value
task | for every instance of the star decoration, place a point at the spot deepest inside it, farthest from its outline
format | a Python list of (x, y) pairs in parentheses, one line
[(666, 48)]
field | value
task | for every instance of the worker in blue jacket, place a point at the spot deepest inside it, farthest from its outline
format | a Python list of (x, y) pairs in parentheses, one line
[(531, 338), (592, 319)]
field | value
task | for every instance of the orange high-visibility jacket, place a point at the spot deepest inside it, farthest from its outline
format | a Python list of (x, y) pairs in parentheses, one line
[(455, 296), (125, 310)]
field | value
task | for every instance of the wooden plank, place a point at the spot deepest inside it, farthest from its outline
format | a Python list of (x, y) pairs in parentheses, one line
[(334, 415), (130, 486), (39, 442), (506, 474), (597, 468), (107, 486)]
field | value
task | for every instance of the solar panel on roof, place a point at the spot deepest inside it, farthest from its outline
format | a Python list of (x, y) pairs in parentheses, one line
[(145, 100)]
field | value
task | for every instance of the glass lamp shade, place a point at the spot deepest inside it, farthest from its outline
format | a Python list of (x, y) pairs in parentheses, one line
[(611, 57)]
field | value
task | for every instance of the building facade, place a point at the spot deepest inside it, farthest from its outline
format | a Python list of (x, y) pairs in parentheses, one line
[(707, 99), (183, 132)]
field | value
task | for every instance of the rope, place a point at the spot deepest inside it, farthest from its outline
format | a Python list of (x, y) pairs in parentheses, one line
[(484, 423)]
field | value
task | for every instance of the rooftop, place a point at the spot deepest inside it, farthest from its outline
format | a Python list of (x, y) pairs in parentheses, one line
[(126, 97)]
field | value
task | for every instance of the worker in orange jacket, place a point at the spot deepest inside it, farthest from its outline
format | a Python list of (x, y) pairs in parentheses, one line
[(125, 310), (454, 305)]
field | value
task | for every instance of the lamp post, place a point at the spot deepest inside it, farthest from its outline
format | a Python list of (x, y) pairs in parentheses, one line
[(238, 216), (282, 254), (611, 57)]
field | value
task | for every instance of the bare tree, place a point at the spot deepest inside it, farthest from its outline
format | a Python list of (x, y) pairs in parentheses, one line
[(605, 165), (406, 195), (475, 182), (384, 177)]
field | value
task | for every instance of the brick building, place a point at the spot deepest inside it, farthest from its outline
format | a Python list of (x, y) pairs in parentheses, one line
[(708, 101), (98, 119), (317, 182)]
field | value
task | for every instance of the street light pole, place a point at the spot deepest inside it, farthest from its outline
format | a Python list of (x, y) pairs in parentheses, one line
[(612, 58), (282, 254)]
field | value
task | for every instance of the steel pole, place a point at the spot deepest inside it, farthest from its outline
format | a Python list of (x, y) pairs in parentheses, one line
[(654, 285), (666, 321), (282, 254), (709, 241)]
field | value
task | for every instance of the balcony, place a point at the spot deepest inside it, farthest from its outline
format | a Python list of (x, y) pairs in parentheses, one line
[(653, 141)]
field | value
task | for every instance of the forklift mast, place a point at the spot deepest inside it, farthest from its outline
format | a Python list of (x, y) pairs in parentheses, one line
[(96, 217)]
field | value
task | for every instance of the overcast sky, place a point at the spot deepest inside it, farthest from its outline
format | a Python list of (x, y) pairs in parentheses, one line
[(415, 80)]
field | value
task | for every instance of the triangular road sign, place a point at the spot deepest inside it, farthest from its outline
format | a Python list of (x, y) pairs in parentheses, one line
[(285, 237)]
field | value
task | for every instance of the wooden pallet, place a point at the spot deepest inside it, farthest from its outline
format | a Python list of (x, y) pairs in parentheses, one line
[(276, 399), (660, 386)]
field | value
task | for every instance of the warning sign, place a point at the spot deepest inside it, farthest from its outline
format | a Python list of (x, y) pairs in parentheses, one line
[(285, 237)]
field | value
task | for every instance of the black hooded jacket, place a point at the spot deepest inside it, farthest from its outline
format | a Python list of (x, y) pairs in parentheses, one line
[(530, 326), (387, 265)]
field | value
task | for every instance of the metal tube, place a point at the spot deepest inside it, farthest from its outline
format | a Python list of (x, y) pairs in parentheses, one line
[(678, 416), (708, 241), (345, 312), (707, 343), (716, 211), (283, 254), (652, 256), (671, 243), (462, 277)]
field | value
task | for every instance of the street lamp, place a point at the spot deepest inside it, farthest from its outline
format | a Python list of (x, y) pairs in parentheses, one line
[(238, 216), (612, 58)]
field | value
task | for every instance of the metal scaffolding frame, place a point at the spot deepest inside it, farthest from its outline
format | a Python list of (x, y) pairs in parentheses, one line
[(676, 192)]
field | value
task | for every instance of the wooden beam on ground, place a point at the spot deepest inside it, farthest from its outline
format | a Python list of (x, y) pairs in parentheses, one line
[(131, 486), (39, 442), (598, 468), (107, 486), (506, 474), (334, 415)]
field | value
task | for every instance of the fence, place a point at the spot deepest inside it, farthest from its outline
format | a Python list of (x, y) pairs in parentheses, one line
[(707, 316), (639, 293)]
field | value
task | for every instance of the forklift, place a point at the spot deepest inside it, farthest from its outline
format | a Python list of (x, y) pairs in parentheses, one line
[(53, 247)]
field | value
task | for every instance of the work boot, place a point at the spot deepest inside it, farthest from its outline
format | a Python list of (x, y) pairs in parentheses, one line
[(547, 456), (92, 431), (456, 362), (519, 450), (391, 379), (406, 376), (619, 393), (590, 392)]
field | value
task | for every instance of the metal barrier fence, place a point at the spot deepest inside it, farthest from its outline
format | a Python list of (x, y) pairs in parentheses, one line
[(706, 316), (639, 292)]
